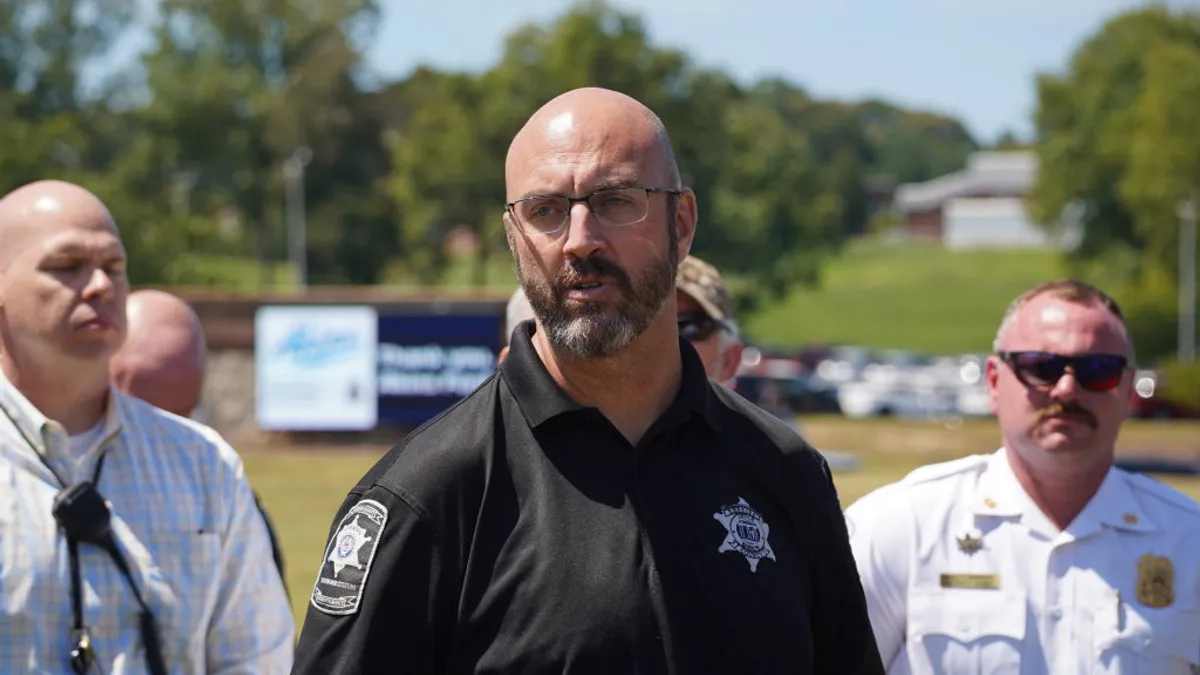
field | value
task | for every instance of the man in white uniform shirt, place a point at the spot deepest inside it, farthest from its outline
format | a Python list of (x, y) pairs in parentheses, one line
[(1041, 558), (129, 539)]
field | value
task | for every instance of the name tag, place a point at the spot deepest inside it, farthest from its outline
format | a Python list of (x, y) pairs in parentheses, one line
[(990, 581)]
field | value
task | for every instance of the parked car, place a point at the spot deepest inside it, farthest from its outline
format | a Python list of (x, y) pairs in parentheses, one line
[(1147, 404), (803, 394), (899, 399)]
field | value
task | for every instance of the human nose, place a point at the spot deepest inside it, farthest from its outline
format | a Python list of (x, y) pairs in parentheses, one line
[(99, 284), (1067, 386), (584, 236)]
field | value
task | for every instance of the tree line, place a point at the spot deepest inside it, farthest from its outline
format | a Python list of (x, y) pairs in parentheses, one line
[(1118, 141), (190, 144)]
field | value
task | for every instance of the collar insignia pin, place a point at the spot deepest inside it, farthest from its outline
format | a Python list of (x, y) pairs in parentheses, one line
[(971, 542)]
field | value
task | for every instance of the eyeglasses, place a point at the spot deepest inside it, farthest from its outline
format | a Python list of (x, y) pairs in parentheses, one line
[(1042, 370), (697, 327), (547, 214)]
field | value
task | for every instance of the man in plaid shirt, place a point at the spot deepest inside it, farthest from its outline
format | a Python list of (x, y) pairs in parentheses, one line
[(129, 539)]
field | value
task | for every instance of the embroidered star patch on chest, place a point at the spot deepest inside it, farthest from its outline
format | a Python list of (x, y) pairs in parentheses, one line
[(746, 533)]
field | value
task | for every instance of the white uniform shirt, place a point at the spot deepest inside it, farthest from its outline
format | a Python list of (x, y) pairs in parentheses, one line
[(184, 517), (965, 575)]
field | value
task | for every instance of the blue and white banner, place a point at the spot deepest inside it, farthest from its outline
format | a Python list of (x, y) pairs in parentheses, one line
[(315, 368)]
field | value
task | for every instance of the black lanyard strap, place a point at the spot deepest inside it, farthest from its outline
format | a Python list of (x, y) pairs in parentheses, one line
[(82, 654)]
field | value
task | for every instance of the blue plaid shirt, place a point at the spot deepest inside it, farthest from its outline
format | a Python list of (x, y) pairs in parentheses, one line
[(185, 519)]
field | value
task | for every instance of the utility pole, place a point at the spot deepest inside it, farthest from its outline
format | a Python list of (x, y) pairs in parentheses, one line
[(182, 184), (1187, 279), (297, 228)]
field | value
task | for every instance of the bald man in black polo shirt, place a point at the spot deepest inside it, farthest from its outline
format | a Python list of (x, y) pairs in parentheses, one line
[(598, 505)]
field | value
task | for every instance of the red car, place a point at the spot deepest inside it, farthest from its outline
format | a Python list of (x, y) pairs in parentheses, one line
[(1147, 405)]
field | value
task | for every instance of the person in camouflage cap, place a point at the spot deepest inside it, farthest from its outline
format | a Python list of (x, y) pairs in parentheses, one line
[(706, 318)]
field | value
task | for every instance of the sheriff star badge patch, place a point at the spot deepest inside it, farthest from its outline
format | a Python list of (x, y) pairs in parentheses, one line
[(347, 562)]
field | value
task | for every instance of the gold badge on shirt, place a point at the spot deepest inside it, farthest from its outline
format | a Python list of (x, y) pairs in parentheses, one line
[(1156, 581)]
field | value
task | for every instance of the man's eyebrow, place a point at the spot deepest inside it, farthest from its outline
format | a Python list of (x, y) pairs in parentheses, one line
[(74, 250), (611, 184)]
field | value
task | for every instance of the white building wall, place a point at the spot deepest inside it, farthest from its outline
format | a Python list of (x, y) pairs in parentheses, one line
[(997, 222)]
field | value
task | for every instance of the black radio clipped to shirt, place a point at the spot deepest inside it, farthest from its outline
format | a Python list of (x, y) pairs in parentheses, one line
[(83, 514), (84, 517)]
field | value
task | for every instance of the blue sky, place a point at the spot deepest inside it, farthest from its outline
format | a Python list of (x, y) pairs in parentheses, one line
[(975, 59), (972, 58)]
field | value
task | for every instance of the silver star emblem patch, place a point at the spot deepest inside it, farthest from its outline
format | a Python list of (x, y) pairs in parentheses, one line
[(345, 553), (746, 533)]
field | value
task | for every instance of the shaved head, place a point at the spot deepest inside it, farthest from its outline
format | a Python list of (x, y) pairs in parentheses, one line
[(589, 118), (162, 361), (33, 211), (586, 144), (63, 286)]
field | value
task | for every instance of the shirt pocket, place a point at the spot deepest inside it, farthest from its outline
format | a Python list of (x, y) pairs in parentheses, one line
[(184, 581), (1132, 639), (966, 631)]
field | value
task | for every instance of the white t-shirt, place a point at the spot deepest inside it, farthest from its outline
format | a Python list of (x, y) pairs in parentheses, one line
[(80, 444)]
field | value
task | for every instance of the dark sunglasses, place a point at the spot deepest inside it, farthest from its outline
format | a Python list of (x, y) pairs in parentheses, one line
[(1042, 370), (697, 327)]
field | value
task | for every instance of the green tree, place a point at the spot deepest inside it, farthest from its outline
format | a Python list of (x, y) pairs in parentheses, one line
[(235, 88), (778, 218), (441, 176), (1087, 121), (1164, 153)]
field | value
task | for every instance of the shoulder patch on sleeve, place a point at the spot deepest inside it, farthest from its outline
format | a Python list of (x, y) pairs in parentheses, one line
[(348, 557)]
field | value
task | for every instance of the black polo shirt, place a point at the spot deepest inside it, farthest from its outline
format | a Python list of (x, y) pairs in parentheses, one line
[(519, 532)]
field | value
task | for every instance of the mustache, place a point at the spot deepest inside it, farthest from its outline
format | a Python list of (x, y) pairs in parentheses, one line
[(577, 270), (1066, 409)]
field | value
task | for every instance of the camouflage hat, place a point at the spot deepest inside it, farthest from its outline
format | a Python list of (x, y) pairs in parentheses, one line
[(702, 283)]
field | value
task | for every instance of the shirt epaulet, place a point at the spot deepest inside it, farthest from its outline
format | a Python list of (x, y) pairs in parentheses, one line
[(1166, 493), (934, 472)]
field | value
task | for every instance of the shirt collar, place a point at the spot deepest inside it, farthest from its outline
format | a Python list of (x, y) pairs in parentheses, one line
[(541, 399), (38, 429), (999, 493)]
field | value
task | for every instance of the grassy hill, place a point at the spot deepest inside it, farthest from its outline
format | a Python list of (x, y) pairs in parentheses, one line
[(902, 296), (905, 296)]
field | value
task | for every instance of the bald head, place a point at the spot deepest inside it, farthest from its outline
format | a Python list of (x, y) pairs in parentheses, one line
[(162, 361), (591, 121), (36, 211)]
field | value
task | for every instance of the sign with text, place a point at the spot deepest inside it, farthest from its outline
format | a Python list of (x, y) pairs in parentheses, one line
[(428, 363), (316, 368)]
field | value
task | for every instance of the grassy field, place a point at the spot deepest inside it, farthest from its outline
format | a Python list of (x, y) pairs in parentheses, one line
[(905, 296), (303, 488)]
